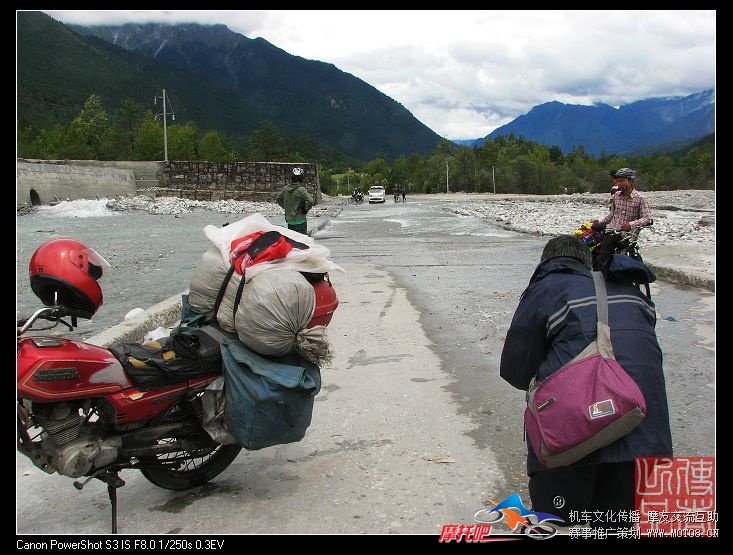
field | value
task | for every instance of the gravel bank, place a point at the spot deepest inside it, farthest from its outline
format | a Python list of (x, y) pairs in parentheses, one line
[(679, 246)]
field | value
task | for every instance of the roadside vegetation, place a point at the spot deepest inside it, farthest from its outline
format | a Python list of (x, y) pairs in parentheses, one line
[(503, 165)]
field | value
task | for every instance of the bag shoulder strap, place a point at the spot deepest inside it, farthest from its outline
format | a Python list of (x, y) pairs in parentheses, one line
[(237, 298), (601, 297), (602, 344), (222, 289), (603, 331)]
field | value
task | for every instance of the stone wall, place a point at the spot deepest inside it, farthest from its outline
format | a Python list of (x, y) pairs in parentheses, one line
[(253, 181)]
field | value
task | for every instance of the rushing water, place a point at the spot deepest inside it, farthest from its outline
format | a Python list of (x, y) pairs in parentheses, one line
[(152, 256)]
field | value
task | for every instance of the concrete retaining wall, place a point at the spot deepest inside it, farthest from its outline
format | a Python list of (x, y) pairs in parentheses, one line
[(46, 181), (165, 314)]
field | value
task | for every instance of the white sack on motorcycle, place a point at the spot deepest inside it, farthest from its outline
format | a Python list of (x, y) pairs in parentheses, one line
[(313, 259), (270, 315)]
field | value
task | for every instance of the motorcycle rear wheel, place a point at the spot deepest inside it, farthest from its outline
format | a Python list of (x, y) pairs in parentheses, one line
[(194, 467), (194, 471)]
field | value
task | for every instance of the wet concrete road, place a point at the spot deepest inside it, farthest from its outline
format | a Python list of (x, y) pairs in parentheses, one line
[(465, 277), (414, 428)]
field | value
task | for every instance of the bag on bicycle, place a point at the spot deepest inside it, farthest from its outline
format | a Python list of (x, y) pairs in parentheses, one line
[(626, 269)]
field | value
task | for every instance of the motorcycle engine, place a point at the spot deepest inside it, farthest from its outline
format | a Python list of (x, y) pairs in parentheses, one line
[(67, 444)]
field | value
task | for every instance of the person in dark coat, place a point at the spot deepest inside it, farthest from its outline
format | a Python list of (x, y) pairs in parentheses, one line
[(556, 320)]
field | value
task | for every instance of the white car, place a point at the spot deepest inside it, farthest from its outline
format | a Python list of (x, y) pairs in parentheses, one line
[(376, 194)]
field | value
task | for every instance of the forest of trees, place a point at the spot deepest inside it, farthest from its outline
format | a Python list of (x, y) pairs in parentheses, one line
[(502, 165)]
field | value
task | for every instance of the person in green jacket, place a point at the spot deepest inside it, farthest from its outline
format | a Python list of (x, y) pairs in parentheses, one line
[(297, 201)]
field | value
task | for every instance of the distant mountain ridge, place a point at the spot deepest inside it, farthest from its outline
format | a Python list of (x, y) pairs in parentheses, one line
[(225, 81), (299, 95), (602, 128)]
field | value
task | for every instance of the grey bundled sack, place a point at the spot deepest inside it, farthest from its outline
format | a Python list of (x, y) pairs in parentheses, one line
[(270, 313), (273, 312), (209, 276), (206, 280)]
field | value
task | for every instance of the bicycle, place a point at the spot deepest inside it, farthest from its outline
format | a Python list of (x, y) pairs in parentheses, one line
[(356, 199), (627, 244), (397, 197)]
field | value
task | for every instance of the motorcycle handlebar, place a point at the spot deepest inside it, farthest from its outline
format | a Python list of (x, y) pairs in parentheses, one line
[(51, 313)]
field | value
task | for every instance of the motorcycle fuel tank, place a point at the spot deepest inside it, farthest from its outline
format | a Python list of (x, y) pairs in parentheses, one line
[(55, 369)]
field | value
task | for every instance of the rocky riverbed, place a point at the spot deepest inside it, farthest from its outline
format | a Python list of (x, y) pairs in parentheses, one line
[(680, 245)]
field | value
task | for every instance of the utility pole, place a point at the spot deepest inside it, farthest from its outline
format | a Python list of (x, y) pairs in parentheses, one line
[(163, 97), (493, 178), (446, 177)]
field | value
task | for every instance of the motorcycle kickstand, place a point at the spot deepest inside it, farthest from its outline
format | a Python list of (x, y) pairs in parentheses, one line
[(113, 481)]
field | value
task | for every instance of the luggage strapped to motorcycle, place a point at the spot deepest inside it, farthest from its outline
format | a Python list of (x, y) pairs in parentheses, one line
[(269, 400), (186, 354), (258, 248)]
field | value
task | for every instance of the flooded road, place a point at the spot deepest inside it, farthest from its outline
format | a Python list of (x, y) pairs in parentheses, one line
[(465, 275), (430, 295)]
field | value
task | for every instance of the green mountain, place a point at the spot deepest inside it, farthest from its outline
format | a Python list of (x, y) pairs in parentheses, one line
[(216, 78), (59, 69)]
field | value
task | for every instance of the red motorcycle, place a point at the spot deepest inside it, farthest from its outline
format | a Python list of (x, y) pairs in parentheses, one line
[(80, 415)]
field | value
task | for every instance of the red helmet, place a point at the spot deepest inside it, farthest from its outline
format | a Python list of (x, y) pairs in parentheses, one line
[(65, 272)]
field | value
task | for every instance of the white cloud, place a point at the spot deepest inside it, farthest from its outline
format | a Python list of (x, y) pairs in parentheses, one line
[(464, 73)]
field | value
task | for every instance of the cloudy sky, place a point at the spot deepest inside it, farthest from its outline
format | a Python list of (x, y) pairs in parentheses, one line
[(465, 73)]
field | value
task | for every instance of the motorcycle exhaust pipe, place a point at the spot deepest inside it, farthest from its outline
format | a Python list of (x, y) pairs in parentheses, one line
[(153, 450), (183, 437), (146, 436)]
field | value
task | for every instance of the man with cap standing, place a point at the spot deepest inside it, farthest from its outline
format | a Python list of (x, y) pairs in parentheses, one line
[(297, 201), (629, 211)]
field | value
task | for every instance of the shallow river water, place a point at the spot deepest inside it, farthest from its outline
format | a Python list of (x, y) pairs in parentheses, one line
[(152, 256)]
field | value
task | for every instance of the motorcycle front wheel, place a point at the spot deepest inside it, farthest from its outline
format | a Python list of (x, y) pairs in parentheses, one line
[(186, 469)]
